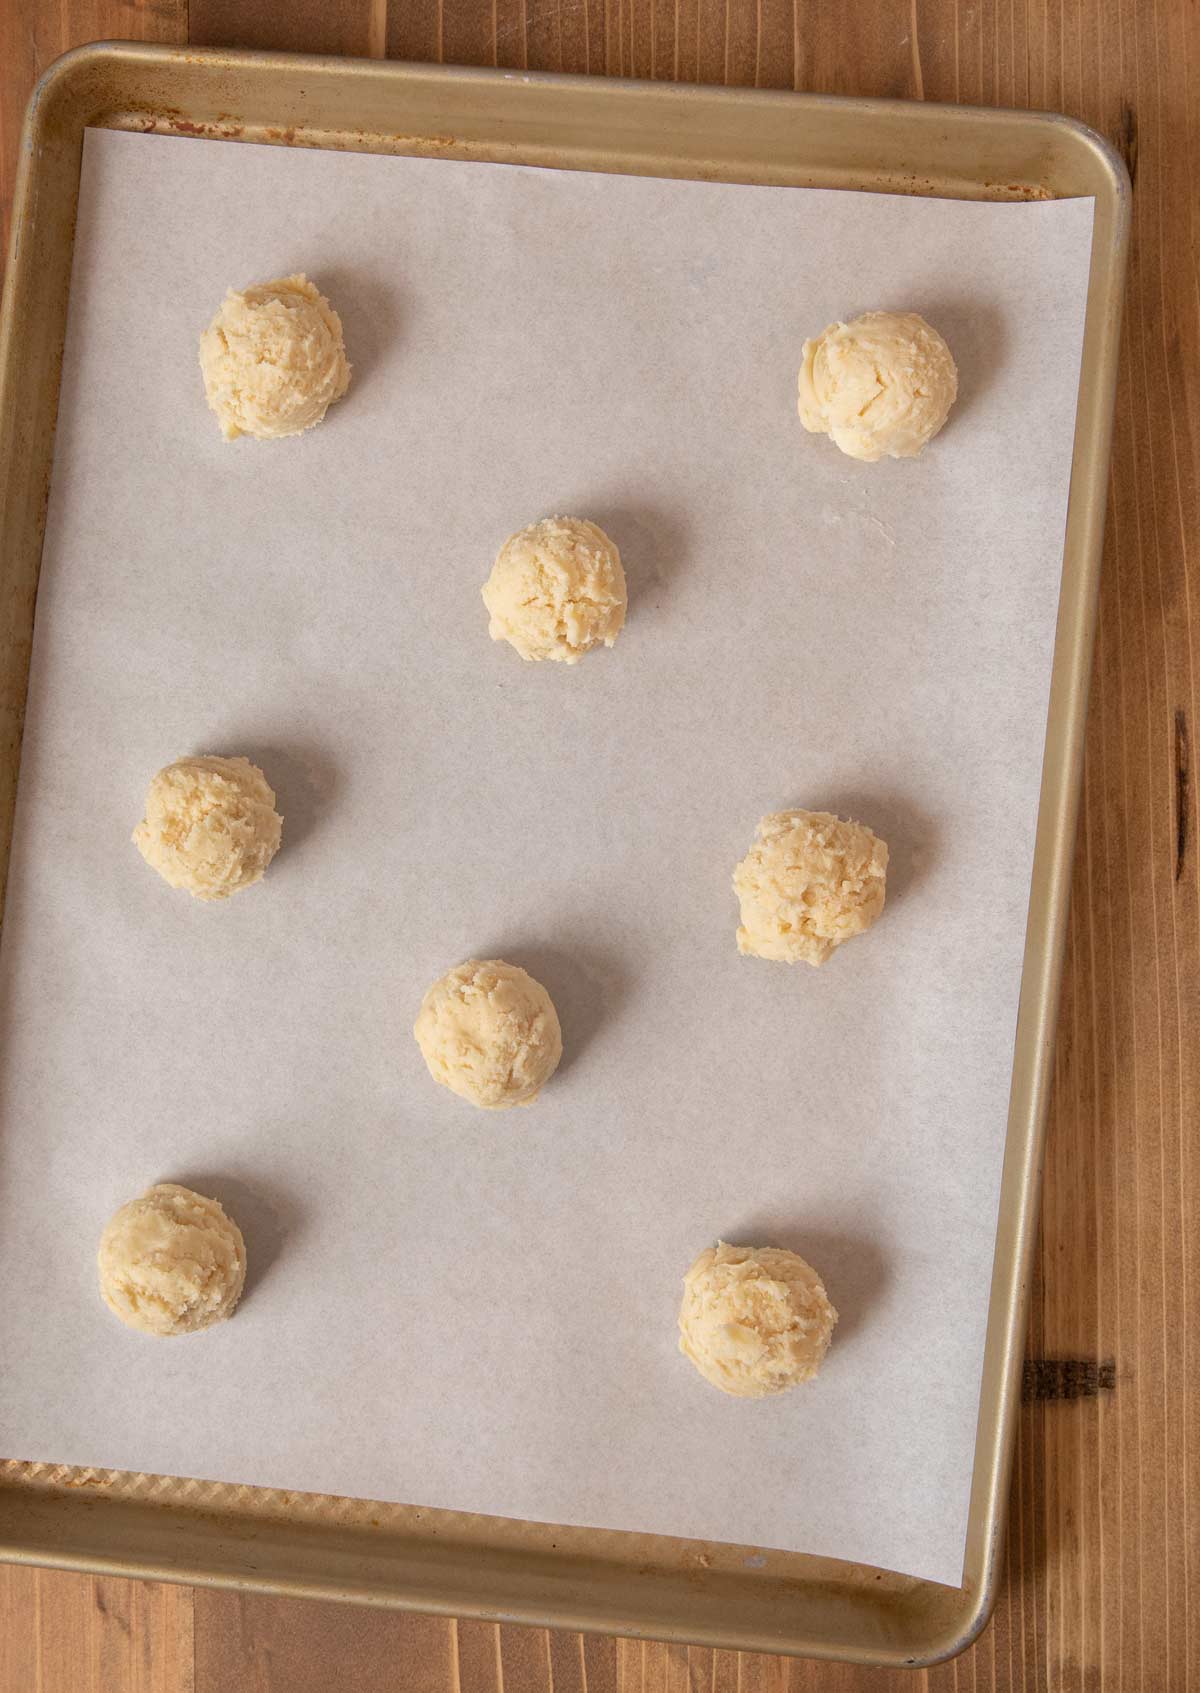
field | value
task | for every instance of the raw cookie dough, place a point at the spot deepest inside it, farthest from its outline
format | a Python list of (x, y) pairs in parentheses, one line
[(881, 385), (754, 1320), (171, 1262), (273, 359), (210, 825), (556, 590), (490, 1033), (807, 884)]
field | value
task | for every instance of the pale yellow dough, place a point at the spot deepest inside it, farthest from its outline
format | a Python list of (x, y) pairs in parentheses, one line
[(210, 825), (809, 882), (490, 1033), (556, 590), (881, 386), (171, 1262), (273, 359), (754, 1320)]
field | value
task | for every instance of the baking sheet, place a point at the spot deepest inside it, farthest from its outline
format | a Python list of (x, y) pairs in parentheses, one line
[(475, 1311)]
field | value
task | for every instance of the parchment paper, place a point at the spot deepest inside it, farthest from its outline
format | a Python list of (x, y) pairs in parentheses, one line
[(475, 1310)]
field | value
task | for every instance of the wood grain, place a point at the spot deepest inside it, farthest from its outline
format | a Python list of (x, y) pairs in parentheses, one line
[(1101, 1570), (76, 1634), (325, 26)]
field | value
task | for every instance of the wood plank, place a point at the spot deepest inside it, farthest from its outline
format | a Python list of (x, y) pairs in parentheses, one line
[(477, 1656), (63, 1633), (258, 1644), (354, 27), (20, 1646)]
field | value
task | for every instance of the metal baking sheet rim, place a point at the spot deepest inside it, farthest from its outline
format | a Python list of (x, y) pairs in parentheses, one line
[(223, 1534)]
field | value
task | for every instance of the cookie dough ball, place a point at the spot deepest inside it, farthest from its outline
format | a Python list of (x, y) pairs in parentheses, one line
[(490, 1033), (210, 825), (807, 884), (754, 1320), (556, 590), (171, 1262), (273, 359), (881, 385)]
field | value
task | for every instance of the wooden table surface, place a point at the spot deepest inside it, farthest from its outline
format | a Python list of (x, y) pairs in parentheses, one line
[(1102, 1582)]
